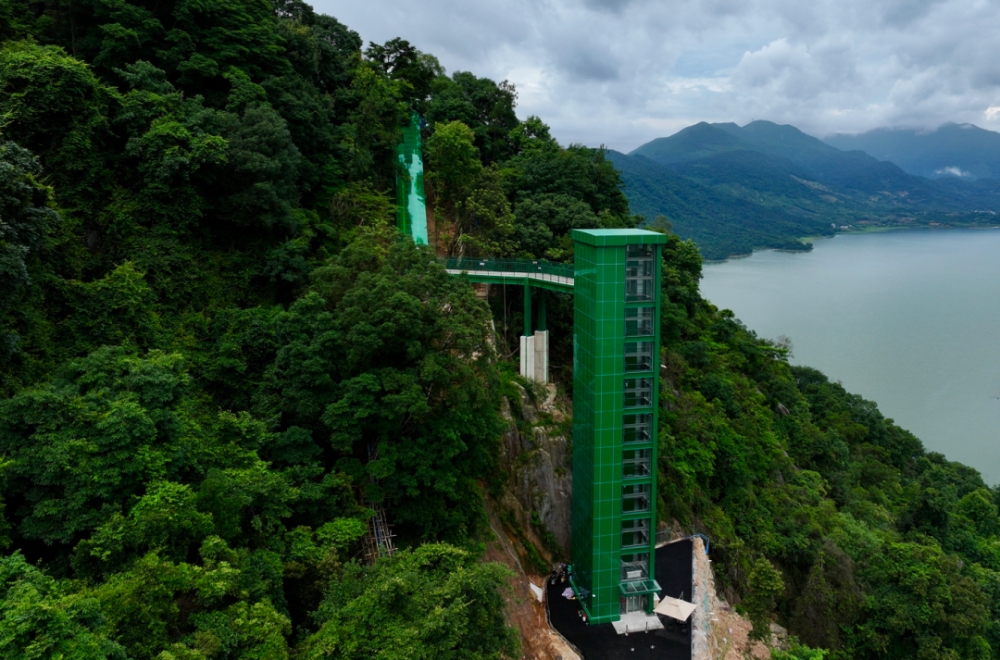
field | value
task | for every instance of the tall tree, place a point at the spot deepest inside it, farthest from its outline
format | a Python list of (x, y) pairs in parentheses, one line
[(28, 216), (435, 601), (390, 354)]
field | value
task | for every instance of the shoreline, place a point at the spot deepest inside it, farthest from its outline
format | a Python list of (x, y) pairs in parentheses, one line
[(865, 230)]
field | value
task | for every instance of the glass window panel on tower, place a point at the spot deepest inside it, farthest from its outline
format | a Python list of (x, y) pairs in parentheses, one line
[(635, 533), (638, 356), (637, 428), (639, 273), (639, 321), (636, 497), (636, 463), (635, 566), (638, 392)]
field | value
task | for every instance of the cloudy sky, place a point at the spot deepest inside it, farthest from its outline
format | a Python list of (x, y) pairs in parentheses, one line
[(622, 72)]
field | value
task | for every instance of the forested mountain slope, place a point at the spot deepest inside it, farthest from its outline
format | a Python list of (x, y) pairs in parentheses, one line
[(216, 351), (724, 218), (209, 327), (806, 184)]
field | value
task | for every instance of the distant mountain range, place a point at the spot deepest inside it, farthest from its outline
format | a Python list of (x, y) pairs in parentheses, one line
[(735, 189), (956, 150)]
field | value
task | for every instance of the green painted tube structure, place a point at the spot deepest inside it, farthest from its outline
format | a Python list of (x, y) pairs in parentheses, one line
[(411, 203)]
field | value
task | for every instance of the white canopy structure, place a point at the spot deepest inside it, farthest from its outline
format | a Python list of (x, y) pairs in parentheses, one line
[(675, 608)]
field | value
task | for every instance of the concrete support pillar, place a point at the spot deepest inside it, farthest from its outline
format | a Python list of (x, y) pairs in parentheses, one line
[(541, 373), (527, 356)]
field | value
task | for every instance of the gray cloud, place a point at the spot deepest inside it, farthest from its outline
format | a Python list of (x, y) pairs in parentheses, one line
[(622, 72)]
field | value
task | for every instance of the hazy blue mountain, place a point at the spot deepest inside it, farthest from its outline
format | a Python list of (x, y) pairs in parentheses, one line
[(953, 150), (734, 189)]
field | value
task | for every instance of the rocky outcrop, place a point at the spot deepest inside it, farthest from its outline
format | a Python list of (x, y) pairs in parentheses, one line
[(536, 455), (717, 631)]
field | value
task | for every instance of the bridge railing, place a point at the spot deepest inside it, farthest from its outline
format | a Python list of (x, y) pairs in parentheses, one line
[(538, 268)]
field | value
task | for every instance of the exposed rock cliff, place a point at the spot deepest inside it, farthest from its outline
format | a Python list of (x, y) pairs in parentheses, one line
[(535, 454), (530, 517)]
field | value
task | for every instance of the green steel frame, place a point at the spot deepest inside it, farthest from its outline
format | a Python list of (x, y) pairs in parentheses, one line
[(600, 376), (599, 389)]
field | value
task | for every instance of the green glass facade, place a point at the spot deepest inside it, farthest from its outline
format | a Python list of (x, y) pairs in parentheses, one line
[(615, 396)]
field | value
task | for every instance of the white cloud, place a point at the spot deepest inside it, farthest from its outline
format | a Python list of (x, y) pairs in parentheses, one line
[(953, 171), (623, 72)]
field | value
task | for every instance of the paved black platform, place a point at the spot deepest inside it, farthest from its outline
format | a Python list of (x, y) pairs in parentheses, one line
[(601, 642)]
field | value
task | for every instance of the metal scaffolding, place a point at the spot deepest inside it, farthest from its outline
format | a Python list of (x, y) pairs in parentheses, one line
[(378, 540)]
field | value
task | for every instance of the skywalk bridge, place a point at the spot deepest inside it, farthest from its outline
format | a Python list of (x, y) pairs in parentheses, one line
[(531, 274)]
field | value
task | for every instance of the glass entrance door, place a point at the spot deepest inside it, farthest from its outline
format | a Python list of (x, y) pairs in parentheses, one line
[(633, 604)]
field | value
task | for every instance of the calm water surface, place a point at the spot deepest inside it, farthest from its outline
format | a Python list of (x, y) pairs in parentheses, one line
[(908, 319)]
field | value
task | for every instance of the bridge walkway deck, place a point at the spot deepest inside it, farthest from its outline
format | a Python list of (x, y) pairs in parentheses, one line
[(502, 277), (537, 273)]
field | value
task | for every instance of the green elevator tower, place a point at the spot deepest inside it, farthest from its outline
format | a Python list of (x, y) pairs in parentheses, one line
[(615, 396)]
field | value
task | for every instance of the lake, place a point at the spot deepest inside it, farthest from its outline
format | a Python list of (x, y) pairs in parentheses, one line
[(908, 319)]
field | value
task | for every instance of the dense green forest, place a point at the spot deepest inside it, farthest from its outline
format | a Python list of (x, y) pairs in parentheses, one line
[(208, 326)]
